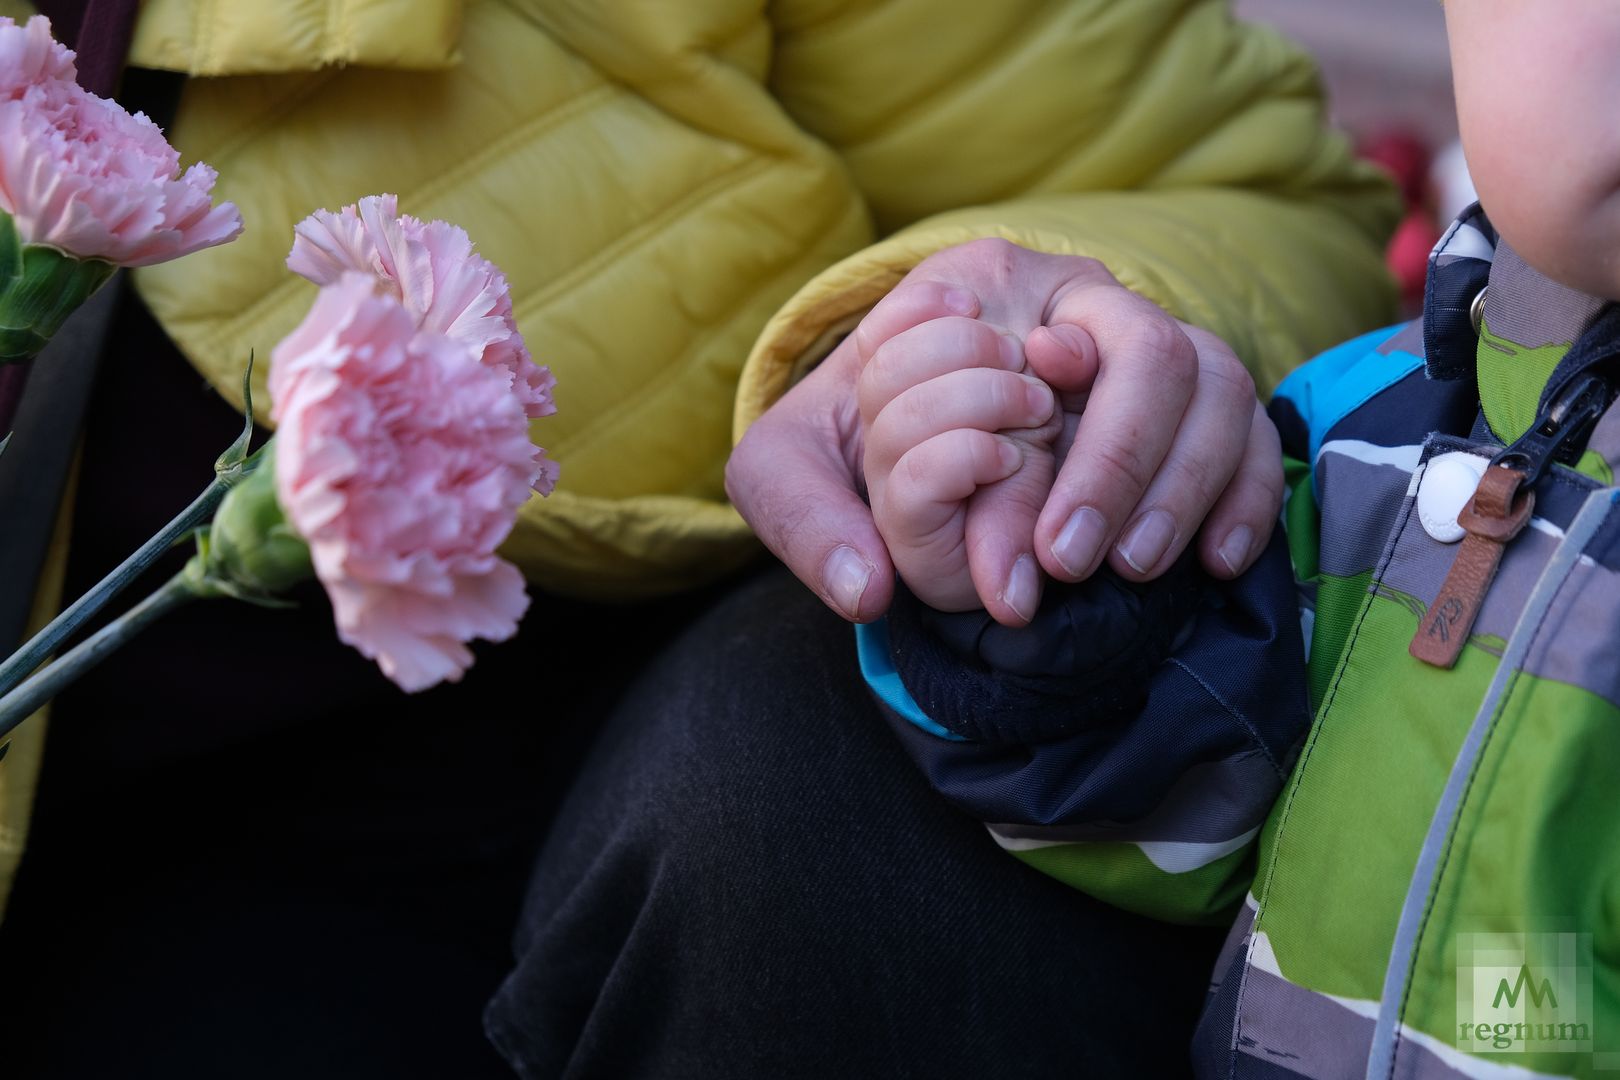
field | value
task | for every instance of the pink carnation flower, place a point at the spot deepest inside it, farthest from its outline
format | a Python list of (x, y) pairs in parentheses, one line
[(79, 173), (402, 461), (431, 267), (29, 55)]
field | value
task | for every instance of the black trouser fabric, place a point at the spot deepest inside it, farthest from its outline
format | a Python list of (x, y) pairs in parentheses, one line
[(749, 879)]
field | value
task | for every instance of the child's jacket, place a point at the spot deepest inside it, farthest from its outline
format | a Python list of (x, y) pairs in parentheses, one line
[(1432, 867)]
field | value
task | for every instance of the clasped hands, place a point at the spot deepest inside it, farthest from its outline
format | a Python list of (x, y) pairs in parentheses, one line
[(1011, 415)]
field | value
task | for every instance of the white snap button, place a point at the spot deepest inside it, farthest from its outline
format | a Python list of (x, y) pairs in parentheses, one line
[(1448, 483)]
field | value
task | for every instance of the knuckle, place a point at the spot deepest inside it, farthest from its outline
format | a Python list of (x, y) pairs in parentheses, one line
[(866, 343), (990, 248), (1177, 356), (1272, 483), (1119, 466), (971, 337), (739, 466), (1155, 337), (959, 338), (1194, 476), (1093, 269), (1159, 336), (903, 507), (790, 518), (1226, 375), (1088, 287), (923, 408), (1257, 489), (993, 257), (871, 387), (1272, 506), (746, 478), (915, 469), (1005, 396)]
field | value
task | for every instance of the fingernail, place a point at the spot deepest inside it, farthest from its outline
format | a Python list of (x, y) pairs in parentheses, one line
[(961, 302), (1012, 352), (1069, 337), (1234, 550), (1011, 456), (1040, 400), (1023, 591), (844, 577), (1147, 540), (1080, 540)]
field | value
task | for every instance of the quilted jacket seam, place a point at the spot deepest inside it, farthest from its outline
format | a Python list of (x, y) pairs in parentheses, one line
[(308, 86), (626, 408), (532, 302), (291, 286), (1132, 88), (951, 84)]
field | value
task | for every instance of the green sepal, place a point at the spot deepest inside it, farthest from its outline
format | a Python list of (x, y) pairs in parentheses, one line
[(251, 552), (11, 261), (40, 286), (202, 581), (234, 463)]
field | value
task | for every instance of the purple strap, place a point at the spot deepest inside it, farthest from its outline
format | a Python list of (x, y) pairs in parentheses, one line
[(33, 468), (100, 30)]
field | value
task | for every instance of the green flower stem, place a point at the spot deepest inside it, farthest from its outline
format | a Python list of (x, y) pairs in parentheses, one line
[(16, 667), (26, 699)]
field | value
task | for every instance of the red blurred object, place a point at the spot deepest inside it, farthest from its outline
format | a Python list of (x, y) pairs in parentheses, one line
[(1407, 159), (1408, 252)]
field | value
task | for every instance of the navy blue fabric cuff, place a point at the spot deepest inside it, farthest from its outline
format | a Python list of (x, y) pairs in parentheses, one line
[(1086, 660)]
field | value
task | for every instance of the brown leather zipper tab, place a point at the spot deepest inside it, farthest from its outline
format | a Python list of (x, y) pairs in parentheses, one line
[(1496, 514)]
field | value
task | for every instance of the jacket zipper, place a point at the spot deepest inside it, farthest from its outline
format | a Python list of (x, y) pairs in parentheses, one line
[(1499, 510)]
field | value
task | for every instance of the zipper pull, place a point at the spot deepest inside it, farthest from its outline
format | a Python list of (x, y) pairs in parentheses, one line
[(1499, 511), (1560, 431)]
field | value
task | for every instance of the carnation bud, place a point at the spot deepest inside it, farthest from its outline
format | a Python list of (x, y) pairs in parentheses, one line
[(40, 287), (252, 551)]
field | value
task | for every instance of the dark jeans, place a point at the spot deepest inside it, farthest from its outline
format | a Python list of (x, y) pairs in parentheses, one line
[(750, 880)]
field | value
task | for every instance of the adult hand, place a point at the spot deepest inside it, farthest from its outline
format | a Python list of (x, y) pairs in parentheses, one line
[(1171, 435)]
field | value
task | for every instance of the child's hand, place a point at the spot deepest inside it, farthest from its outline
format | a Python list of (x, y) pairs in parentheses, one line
[(959, 452)]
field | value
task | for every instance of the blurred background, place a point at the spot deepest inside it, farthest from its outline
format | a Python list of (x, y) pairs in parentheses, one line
[(1385, 61), (1388, 77)]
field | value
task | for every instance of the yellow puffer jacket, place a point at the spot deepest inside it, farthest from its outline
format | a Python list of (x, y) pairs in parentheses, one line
[(677, 188), (693, 200)]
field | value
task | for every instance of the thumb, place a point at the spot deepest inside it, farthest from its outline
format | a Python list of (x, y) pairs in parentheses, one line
[(791, 479), (1065, 355)]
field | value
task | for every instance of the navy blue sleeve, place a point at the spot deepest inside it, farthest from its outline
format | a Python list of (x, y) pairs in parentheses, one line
[(1160, 718)]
